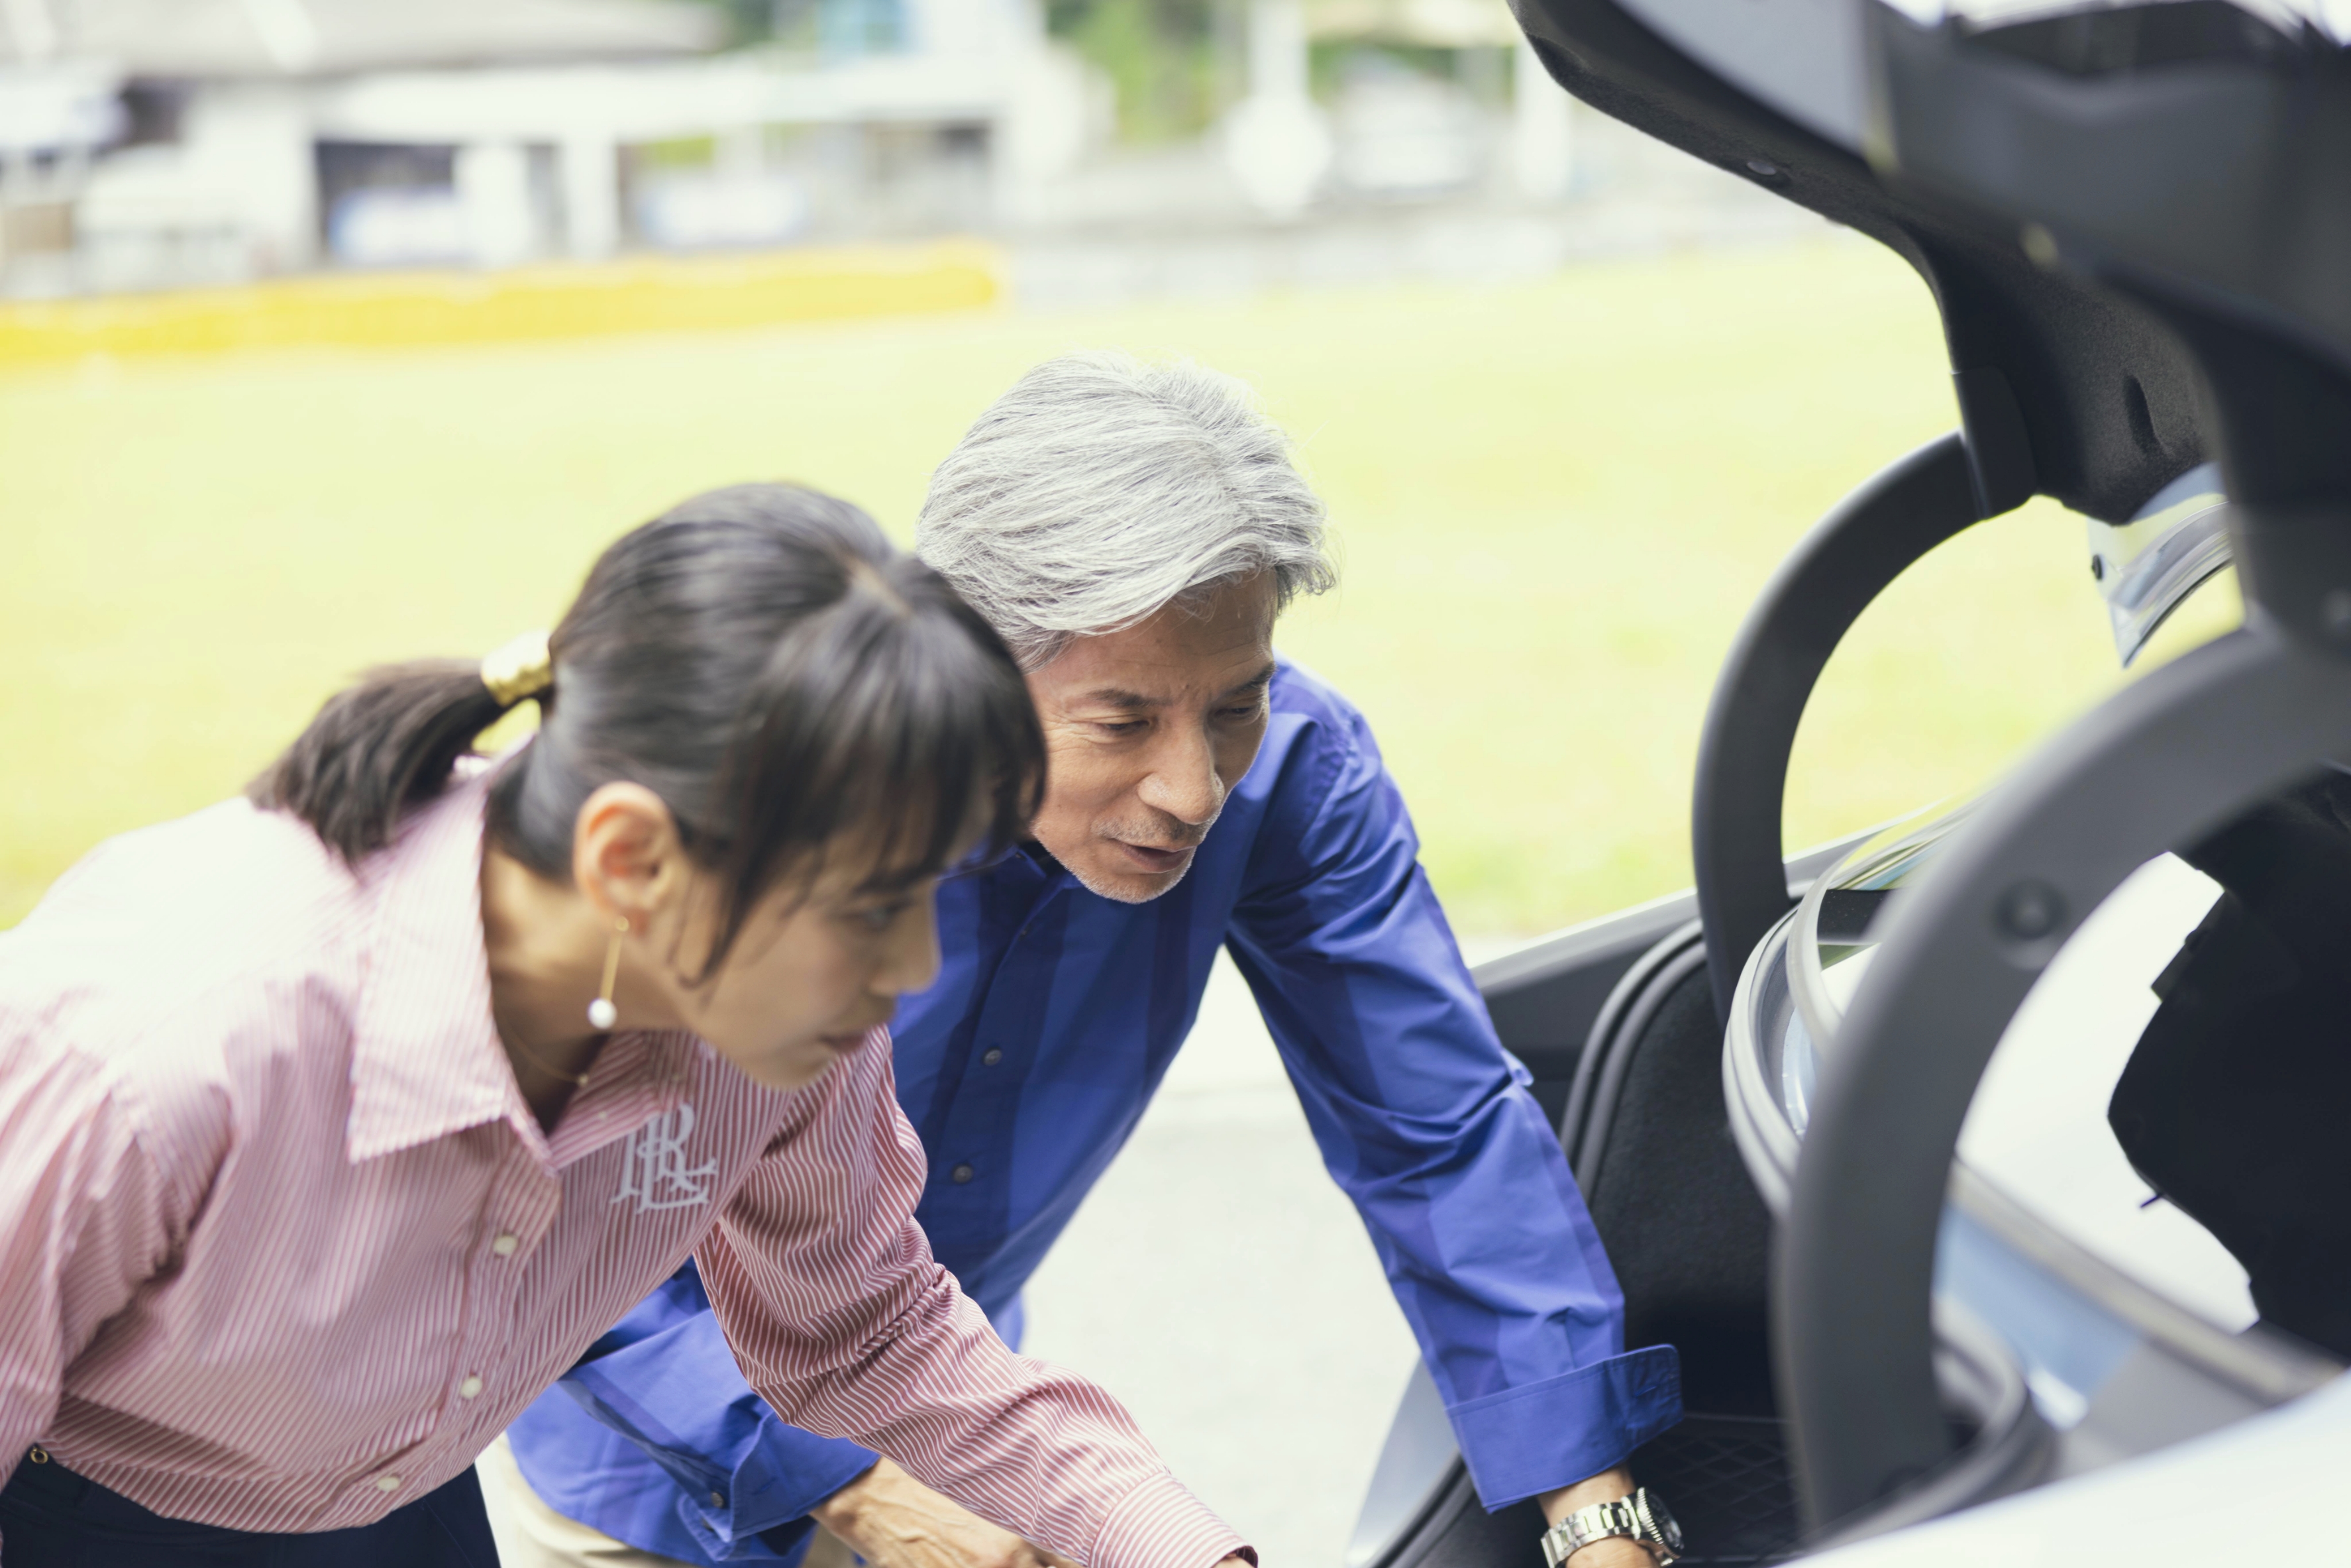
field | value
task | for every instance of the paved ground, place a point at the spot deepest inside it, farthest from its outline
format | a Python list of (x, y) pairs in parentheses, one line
[(1220, 1284)]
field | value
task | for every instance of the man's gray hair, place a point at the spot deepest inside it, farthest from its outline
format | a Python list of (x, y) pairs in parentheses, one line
[(1102, 488)]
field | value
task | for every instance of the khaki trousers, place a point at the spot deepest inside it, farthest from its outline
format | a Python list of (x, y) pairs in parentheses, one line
[(532, 1535)]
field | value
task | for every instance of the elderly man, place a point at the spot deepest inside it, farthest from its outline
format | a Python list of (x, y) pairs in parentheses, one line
[(1135, 531)]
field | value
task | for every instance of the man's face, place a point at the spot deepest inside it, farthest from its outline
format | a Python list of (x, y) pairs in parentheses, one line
[(1146, 730)]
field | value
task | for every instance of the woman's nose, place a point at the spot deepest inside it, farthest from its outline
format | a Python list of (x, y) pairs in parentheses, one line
[(910, 962)]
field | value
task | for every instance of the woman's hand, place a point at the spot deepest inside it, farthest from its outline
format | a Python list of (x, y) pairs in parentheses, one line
[(894, 1520)]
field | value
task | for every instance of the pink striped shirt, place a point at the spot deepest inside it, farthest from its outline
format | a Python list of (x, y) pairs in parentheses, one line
[(282, 1248)]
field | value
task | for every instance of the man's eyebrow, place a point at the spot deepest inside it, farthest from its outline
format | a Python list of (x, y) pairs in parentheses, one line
[(1118, 698), (1136, 701), (1255, 683)]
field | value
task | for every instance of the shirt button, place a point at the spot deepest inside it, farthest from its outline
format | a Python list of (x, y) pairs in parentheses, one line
[(718, 1499), (504, 1245), (992, 1057), (387, 1483), (961, 1175), (471, 1388)]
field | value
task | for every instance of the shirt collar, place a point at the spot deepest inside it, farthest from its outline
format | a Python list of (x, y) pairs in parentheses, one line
[(425, 1056)]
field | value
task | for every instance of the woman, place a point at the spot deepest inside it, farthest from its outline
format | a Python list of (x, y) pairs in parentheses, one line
[(337, 1122)]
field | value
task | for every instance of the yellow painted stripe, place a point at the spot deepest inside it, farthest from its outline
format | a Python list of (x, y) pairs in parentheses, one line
[(543, 301)]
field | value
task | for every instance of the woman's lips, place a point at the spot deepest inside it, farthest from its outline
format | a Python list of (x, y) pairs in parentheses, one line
[(1150, 859)]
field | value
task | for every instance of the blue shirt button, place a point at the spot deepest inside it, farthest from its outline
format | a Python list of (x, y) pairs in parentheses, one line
[(991, 1057), (961, 1175)]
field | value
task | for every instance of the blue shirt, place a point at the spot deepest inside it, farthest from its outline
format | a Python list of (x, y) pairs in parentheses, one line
[(1028, 1062)]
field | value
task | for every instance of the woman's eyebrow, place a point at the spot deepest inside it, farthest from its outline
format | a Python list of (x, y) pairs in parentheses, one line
[(894, 883)]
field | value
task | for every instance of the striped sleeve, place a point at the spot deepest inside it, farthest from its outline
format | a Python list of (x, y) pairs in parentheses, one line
[(847, 1326), (84, 1218)]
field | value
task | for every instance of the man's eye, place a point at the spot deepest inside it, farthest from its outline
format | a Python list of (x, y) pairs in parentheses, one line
[(1121, 726), (1247, 710)]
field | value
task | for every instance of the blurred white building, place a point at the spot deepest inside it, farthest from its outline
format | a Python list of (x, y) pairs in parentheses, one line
[(150, 142), (1428, 99)]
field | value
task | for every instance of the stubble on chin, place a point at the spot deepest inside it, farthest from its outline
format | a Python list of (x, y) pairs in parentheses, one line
[(1133, 887)]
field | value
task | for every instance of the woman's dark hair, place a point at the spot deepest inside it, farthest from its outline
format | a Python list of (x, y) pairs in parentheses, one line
[(760, 657)]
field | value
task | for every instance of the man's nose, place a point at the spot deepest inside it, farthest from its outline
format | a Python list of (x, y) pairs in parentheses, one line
[(1183, 780)]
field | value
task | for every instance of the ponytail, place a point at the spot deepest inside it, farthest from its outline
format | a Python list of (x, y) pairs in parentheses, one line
[(377, 750), (760, 657)]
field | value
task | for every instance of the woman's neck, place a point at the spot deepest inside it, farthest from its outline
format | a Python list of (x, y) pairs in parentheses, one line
[(545, 951)]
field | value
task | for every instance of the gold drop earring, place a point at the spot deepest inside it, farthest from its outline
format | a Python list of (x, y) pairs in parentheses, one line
[(602, 1014)]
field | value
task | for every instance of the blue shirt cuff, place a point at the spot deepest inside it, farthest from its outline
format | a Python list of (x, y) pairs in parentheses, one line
[(1526, 1441), (729, 1491), (774, 1484)]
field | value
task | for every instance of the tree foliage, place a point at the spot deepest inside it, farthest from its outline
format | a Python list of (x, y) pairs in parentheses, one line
[(1175, 63)]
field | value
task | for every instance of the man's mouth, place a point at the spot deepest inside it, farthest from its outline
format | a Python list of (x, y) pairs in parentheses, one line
[(1146, 858)]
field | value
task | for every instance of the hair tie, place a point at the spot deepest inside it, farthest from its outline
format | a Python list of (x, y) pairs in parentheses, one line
[(522, 668)]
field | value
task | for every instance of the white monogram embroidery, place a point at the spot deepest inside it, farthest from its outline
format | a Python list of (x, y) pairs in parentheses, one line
[(654, 1169)]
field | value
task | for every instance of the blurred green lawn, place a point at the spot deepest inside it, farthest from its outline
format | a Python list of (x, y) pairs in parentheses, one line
[(1554, 500)]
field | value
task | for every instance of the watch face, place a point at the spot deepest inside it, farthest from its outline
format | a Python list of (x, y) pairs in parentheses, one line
[(1661, 1518)]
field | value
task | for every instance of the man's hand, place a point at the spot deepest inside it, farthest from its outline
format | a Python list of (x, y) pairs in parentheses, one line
[(1605, 1486), (894, 1520)]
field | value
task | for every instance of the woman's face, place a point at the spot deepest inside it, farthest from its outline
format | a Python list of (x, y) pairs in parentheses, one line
[(820, 960), (812, 970)]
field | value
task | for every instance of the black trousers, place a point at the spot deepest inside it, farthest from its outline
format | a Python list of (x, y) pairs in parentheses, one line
[(52, 1518)]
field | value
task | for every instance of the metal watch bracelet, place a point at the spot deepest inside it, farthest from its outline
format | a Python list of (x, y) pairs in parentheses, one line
[(1638, 1518)]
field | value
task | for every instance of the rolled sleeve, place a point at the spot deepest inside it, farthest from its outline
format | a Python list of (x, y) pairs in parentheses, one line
[(1539, 1437)]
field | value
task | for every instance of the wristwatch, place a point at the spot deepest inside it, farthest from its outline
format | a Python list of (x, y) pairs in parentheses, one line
[(1642, 1517)]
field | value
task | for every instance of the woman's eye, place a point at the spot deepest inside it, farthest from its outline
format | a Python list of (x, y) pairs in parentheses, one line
[(878, 917)]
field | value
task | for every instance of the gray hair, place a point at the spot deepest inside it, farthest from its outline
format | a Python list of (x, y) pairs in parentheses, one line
[(1102, 488)]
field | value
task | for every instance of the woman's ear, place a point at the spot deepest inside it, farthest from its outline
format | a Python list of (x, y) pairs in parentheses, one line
[(626, 857)]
